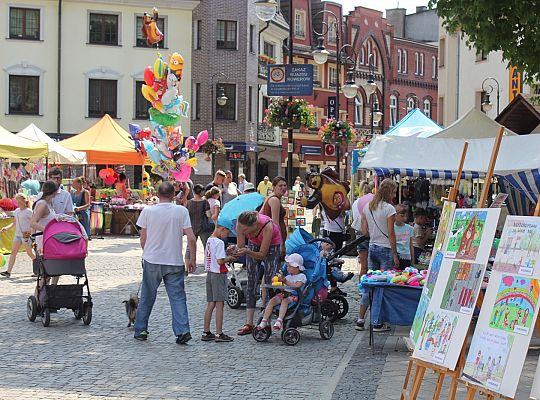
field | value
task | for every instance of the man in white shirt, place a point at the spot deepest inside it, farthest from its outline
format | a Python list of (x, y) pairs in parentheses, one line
[(62, 203), (163, 226)]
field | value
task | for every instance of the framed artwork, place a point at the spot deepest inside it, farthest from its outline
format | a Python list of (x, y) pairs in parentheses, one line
[(300, 222), (300, 211), (291, 200), (292, 213)]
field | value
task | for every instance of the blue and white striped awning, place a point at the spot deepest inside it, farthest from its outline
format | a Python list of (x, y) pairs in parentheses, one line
[(427, 173)]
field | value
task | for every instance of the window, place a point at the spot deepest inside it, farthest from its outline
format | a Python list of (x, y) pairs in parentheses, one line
[(399, 60), (421, 64), (104, 29), (228, 111), (141, 104), (433, 67), (481, 55), (358, 111), (197, 32), (411, 104), (316, 77), (416, 64), (362, 55), (332, 77), (102, 97), (299, 22), (250, 104), (196, 110), (375, 100), (24, 23), (427, 108), (269, 49), (251, 38), (442, 51), (393, 110), (404, 62), (140, 40), (332, 30), (374, 58), (226, 34), (24, 94)]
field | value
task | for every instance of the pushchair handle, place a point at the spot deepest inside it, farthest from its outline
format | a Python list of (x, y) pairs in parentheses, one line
[(33, 235)]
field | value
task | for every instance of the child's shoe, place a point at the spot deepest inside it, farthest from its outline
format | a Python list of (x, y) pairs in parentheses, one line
[(223, 338), (262, 325), (278, 325), (207, 336)]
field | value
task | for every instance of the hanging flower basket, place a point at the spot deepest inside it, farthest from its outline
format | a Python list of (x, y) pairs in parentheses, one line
[(215, 146), (286, 114), (340, 132)]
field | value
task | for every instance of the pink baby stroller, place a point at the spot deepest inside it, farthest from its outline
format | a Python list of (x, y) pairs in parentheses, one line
[(64, 252)]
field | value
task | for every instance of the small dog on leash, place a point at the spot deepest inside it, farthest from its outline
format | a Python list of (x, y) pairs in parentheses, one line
[(131, 307)]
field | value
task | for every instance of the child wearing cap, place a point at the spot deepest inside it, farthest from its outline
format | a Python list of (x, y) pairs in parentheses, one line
[(295, 278)]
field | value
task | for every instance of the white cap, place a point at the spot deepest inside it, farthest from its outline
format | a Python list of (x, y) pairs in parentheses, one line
[(295, 260), (249, 186)]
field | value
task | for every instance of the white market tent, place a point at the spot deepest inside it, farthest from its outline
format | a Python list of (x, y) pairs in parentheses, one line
[(58, 154), (474, 124)]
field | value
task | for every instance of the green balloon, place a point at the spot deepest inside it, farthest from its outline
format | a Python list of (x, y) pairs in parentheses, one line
[(165, 119)]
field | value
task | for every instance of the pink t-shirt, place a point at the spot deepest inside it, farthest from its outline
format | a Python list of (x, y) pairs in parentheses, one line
[(258, 238)]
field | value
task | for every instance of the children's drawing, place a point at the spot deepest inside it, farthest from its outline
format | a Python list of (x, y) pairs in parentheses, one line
[(466, 234), (487, 358), (433, 273), (436, 335), (519, 246), (515, 304), (300, 222), (419, 316), (446, 219), (462, 287)]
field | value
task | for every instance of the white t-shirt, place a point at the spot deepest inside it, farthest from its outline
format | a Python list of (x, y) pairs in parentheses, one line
[(22, 221), (378, 223), (333, 225), (164, 224), (213, 202), (214, 250), (295, 278), (62, 203)]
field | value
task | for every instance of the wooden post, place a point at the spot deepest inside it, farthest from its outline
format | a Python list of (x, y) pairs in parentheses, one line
[(454, 190), (491, 167)]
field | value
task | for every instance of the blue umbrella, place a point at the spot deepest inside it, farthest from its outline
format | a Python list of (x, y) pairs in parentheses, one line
[(235, 207)]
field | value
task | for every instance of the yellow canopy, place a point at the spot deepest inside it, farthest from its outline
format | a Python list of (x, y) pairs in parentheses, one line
[(16, 147), (105, 142)]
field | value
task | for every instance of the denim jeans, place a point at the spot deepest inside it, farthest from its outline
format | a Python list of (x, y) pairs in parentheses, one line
[(173, 277)]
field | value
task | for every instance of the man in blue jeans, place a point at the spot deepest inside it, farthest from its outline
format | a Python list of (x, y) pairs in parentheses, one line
[(163, 226)]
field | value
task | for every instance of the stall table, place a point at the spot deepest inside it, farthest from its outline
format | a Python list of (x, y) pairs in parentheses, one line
[(124, 220)]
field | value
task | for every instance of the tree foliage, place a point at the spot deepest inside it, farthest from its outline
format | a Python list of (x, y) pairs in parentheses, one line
[(511, 26)]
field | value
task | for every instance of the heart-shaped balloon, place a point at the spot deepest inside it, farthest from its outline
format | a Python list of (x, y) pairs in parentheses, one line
[(202, 137), (183, 173), (149, 76)]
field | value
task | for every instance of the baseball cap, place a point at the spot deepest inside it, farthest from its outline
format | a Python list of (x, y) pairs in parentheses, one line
[(296, 260), (249, 186)]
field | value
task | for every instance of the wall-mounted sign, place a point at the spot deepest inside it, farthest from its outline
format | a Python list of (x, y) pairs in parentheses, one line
[(332, 112), (515, 83), (236, 156), (290, 80)]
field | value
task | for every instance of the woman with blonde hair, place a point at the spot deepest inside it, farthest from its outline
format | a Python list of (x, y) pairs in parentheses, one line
[(378, 224), (81, 203)]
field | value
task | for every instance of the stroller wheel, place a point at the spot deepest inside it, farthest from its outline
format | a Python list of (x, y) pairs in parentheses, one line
[(46, 317), (87, 313), (342, 305), (261, 335), (78, 312), (32, 308), (234, 297), (290, 336), (329, 310), (326, 329)]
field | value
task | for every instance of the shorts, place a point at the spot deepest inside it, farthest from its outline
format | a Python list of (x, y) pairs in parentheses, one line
[(286, 295), (22, 240), (380, 257), (363, 246), (216, 287)]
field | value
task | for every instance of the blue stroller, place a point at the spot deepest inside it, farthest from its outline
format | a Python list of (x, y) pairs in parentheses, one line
[(312, 307)]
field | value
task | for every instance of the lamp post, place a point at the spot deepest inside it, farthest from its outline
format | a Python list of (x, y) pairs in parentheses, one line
[(320, 56), (370, 88), (221, 100), (486, 103)]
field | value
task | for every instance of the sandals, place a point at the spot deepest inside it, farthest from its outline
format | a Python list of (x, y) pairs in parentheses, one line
[(278, 325), (245, 330)]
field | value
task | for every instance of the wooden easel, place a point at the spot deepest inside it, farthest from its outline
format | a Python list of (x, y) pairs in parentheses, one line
[(442, 371)]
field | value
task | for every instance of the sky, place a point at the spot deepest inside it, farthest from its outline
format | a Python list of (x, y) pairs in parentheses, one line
[(382, 5)]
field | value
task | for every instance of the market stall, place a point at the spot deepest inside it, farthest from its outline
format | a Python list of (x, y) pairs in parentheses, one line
[(415, 124)]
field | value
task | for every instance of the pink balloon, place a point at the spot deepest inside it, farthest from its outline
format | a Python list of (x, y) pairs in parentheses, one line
[(190, 141), (109, 180), (202, 138), (183, 173)]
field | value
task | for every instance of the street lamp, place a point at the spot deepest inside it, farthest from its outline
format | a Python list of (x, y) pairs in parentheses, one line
[(320, 56), (370, 88), (266, 9), (221, 100), (486, 103)]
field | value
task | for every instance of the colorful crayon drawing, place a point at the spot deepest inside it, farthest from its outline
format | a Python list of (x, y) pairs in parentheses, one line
[(519, 246), (462, 287), (466, 234), (446, 218), (436, 335), (515, 304), (433, 273), (419, 316), (487, 358)]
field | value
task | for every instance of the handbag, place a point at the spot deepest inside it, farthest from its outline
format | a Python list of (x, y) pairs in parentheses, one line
[(207, 225)]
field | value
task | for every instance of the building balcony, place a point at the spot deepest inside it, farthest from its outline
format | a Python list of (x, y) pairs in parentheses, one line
[(264, 61)]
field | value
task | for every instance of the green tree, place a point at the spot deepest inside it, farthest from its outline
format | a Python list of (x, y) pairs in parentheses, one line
[(511, 26)]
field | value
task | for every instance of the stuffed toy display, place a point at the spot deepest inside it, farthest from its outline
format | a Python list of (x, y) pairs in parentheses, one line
[(329, 191), (409, 276)]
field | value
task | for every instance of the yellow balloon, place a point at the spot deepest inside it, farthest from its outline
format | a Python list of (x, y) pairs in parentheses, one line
[(192, 162), (159, 68), (149, 93)]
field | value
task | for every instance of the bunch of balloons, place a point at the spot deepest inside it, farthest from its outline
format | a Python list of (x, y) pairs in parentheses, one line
[(164, 143), (108, 175)]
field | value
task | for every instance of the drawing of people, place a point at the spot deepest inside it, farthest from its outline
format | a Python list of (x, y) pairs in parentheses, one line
[(468, 238), (477, 362), (525, 317), (486, 365), (505, 322), (494, 322)]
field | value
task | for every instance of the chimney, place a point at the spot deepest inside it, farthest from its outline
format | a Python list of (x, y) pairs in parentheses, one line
[(420, 9), (396, 17)]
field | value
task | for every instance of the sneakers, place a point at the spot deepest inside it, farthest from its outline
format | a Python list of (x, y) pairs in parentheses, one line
[(183, 338), (207, 336), (381, 328), (278, 325), (142, 336), (6, 274), (360, 325), (223, 338)]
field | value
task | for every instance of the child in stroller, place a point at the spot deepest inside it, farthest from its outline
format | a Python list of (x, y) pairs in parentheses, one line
[(295, 264)]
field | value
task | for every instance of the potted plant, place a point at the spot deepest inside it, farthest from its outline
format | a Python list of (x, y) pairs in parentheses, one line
[(287, 114), (215, 146), (339, 132)]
